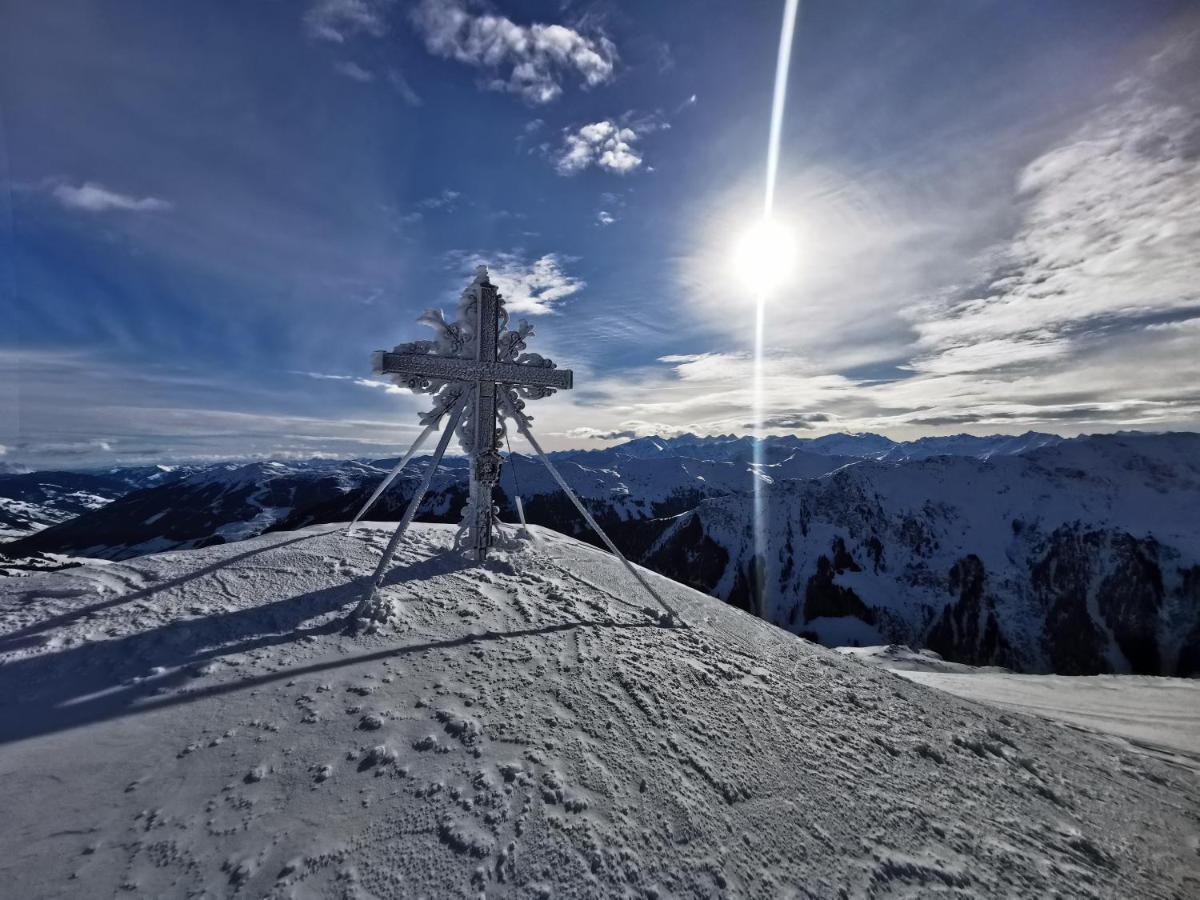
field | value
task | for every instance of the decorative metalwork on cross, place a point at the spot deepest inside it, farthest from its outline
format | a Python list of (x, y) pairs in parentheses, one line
[(478, 373)]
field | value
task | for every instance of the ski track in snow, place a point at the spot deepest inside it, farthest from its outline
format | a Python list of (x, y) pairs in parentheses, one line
[(200, 723)]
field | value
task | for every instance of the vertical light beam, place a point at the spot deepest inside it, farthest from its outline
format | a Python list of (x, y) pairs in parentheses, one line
[(778, 101)]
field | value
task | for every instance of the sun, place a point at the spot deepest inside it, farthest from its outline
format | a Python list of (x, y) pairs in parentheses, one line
[(764, 257)]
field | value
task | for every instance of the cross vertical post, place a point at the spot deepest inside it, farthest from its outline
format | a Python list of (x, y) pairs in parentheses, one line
[(485, 459)]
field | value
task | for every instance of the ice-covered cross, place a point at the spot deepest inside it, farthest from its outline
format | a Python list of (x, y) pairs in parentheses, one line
[(474, 363), (479, 376)]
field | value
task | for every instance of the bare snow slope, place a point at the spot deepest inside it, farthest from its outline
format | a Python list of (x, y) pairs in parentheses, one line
[(197, 723), (1146, 712), (1158, 714)]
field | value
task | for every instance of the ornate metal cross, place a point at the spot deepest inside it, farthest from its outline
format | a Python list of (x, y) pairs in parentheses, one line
[(474, 363), (479, 376)]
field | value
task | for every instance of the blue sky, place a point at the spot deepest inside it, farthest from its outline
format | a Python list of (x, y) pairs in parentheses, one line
[(212, 213)]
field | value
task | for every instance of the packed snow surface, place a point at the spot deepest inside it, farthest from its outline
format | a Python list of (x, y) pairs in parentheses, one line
[(200, 723), (1159, 715)]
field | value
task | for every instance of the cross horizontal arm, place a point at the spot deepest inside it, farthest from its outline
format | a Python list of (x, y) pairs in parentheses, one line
[(452, 368)]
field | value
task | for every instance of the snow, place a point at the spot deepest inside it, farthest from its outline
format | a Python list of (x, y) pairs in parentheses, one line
[(25, 518), (266, 517), (1146, 713), (1154, 713), (901, 658), (201, 723), (21, 566)]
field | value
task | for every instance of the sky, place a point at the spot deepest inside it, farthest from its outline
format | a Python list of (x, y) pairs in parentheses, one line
[(211, 213)]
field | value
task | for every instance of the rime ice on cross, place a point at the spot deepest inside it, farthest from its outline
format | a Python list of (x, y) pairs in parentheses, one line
[(478, 375), (472, 361)]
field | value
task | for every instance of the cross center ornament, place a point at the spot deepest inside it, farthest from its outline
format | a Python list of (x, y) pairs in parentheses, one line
[(474, 365)]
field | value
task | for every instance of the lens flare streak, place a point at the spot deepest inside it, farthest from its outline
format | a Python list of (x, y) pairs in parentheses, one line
[(778, 102)]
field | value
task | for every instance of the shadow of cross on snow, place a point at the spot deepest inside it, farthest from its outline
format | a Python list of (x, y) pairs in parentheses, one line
[(30, 635), (101, 680)]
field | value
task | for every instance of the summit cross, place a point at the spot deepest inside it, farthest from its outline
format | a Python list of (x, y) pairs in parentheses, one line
[(475, 363), (479, 376)]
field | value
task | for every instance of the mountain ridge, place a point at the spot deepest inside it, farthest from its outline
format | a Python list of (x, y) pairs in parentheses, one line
[(989, 558)]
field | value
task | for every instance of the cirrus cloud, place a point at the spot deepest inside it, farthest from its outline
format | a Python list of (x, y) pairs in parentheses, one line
[(336, 20), (93, 197)]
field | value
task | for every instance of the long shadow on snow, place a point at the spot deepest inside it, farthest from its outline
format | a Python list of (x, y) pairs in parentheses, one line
[(107, 679), (29, 635)]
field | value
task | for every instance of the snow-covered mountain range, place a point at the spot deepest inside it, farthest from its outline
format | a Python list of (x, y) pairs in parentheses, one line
[(32, 501), (201, 723), (1078, 558), (851, 446), (1031, 552)]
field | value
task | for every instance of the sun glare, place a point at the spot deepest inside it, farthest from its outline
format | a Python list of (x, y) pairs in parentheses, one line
[(765, 256)]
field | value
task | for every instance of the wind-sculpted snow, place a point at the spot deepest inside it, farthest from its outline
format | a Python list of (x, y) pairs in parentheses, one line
[(200, 723)]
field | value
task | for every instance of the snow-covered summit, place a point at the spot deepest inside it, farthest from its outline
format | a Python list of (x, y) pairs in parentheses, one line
[(200, 723)]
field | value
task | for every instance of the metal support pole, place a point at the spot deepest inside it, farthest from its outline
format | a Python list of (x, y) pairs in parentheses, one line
[(383, 485), (523, 427), (521, 516), (409, 513)]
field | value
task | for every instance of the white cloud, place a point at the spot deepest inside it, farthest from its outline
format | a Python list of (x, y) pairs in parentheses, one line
[(998, 353), (375, 384), (604, 217), (94, 197), (447, 200), (79, 409), (530, 286), (378, 385), (64, 449), (397, 80), (524, 60), (534, 287), (353, 71), (1111, 230), (604, 144), (583, 432), (335, 20), (711, 393), (1101, 275)]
